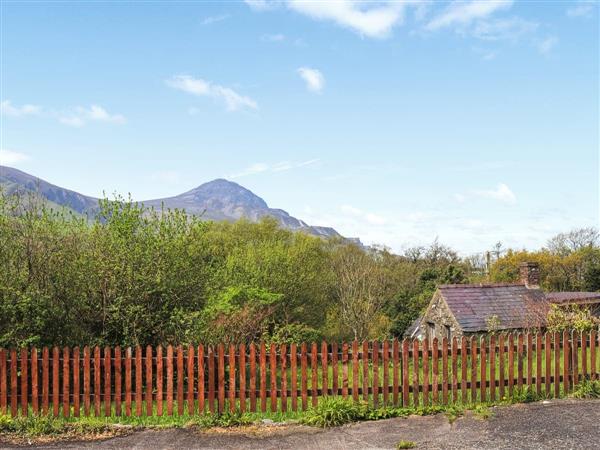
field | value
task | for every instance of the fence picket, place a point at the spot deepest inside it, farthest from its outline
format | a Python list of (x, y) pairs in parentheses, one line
[(242, 365), (483, 370), (385, 370), (149, 380), (107, 382), (463, 369), (345, 370), (435, 367), (200, 379), (425, 363), (180, 380), (65, 379), (556, 364), (86, 380), (355, 372), (35, 384), (13, 384), (211, 378), (252, 357), (454, 369), (444, 370), (25, 379), (128, 382), (55, 382), (395, 371), (159, 380), (221, 377), (492, 356), (190, 378), (584, 366), (138, 381), (263, 377), (170, 380), (501, 365), (538, 363), (415, 373), (294, 376), (118, 383), (324, 369), (520, 358), (283, 369), (529, 358), (273, 377), (365, 371), (548, 357), (334, 369)]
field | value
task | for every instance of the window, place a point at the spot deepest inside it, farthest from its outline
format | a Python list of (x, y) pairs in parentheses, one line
[(448, 332)]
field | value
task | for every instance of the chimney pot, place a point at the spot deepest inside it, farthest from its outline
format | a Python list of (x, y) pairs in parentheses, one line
[(530, 274)]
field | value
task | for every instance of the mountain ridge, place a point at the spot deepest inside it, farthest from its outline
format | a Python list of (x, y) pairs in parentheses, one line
[(217, 200)]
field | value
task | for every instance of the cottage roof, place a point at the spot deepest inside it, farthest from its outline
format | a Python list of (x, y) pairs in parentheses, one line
[(514, 305), (573, 297)]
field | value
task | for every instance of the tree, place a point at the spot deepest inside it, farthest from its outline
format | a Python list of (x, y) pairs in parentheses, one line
[(565, 243), (361, 289)]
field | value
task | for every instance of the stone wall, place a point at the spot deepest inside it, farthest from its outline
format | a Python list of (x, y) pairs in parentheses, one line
[(444, 324)]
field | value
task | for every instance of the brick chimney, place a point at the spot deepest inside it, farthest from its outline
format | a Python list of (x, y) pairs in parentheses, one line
[(530, 274)]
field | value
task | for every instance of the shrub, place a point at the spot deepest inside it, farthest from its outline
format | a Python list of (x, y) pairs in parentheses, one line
[(334, 411), (587, 389)]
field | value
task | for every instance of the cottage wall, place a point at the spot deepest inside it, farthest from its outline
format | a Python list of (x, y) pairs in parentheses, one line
[(438, 320)]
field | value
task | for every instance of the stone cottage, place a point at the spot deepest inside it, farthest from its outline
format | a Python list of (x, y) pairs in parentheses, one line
[(467, 309)]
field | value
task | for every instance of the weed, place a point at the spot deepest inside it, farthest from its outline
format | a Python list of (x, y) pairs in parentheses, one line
[(587, 389), (405, 444), (223, 420), (483, 412), (334, 411)]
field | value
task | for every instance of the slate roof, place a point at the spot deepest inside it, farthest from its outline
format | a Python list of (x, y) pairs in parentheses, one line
[(573, 297), (515, 305)]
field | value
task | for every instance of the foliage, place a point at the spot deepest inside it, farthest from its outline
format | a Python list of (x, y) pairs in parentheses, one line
[(128, 275), (405, 444), (223, 420), (334, 411), (587, 389), (571, 317)]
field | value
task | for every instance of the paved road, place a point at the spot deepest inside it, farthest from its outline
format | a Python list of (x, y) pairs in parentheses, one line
[(562, 424)]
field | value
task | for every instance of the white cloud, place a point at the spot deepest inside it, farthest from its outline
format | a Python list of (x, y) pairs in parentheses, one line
[(372, 19), (12, 158), (361, 215), (546, 45), (582, 9), (214, 19), (503, 29), (502, 193), (259, 4), (273, 37), (282, 166), (313, 78), (8, 109), (81, 115), (196, 86), (463, 13)]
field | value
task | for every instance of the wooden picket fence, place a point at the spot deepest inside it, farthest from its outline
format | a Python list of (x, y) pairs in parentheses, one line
[(199, 379)]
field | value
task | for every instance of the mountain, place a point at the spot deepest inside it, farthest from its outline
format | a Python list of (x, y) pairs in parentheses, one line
[(216, 200)]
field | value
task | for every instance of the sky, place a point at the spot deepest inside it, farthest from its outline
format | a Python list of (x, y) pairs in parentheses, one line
[(471, 122)]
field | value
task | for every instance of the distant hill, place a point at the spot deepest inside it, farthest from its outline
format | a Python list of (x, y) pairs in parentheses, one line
[(218, 200)]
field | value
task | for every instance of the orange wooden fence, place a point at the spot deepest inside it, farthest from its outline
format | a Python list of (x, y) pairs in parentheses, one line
[(258, 377)]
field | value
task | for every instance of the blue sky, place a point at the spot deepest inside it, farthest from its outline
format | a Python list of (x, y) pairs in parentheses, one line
[(474, 122)]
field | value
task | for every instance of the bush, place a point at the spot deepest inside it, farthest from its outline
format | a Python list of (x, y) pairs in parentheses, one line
[(587, 389), (334, 411)]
